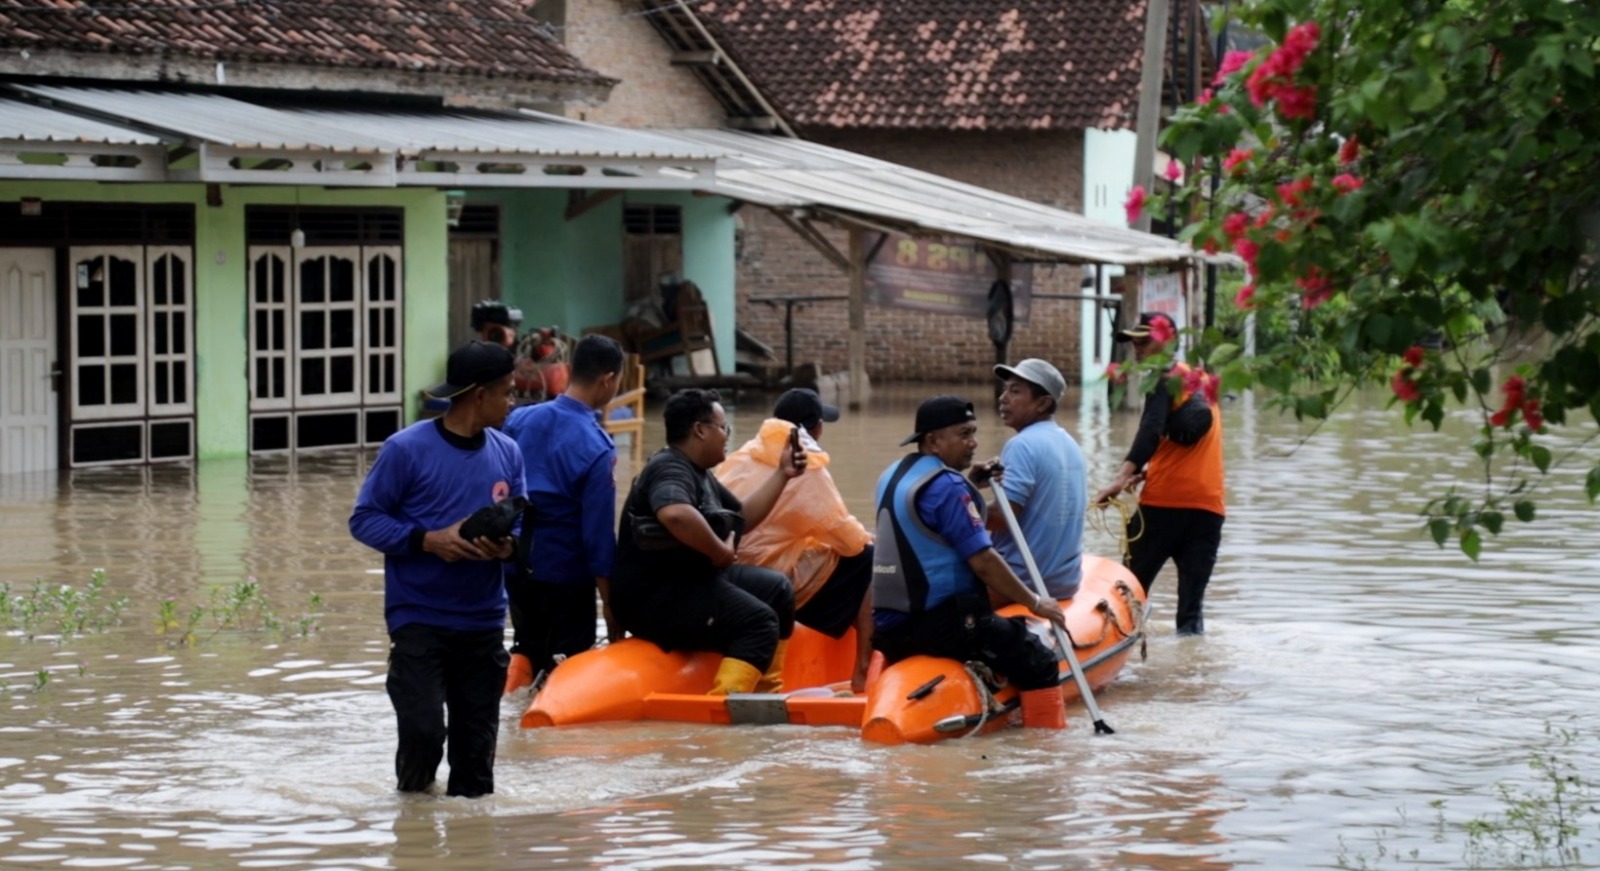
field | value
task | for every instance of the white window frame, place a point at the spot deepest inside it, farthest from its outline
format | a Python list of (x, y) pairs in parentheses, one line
[(384, 340), (153, 311), (101, 255), (256, 352)]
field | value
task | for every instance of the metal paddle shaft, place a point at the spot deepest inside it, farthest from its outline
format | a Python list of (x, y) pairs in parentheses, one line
[(1063, 637)]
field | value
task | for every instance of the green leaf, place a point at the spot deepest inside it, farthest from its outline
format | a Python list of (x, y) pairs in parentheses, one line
[(1224, 354), (1592, 485), (1272, 262), (1524, 510), (1439, 528), (1493, 521), (1540, 455), (1403, 253), (1379, 328), (1471, 544)]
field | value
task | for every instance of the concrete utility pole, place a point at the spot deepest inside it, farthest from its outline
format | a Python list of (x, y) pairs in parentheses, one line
[(1144, 152), (858, 317)]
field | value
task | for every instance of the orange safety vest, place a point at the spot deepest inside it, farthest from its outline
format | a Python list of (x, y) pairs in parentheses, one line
[(1187, 477)]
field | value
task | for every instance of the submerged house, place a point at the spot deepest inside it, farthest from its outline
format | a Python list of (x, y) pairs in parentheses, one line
[(231, 229)]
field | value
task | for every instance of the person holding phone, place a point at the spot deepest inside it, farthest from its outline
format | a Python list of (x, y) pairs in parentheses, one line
[(444, 597), (674, 581), (810, 535)]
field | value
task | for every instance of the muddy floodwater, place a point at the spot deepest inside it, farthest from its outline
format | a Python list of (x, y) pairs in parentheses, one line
[(1354, 676)]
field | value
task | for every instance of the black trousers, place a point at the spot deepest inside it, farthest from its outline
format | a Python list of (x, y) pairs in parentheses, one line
[(435, 673), (832, 609), (1190, 538), (548, 619), (741, 613), (964, 628)]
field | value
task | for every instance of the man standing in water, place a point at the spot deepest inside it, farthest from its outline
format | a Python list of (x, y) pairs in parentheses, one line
[(1181, 507), (570, 461), (444, 595), (1044, 479), (934, 559)]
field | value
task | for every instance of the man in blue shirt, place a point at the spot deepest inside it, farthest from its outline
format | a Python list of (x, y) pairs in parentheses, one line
[(1044, 478), (444, 596), (573, 495), (934, 564)]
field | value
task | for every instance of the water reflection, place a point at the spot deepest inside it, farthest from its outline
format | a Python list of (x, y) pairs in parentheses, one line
[(1351, 670)]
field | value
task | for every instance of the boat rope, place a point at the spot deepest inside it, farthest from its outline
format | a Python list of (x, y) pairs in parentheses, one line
[(1127, 511), (981, 677)]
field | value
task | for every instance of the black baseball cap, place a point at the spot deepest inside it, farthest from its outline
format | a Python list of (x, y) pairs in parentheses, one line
[(1142, 328), (938, 413), (473, 365), (803, 406)]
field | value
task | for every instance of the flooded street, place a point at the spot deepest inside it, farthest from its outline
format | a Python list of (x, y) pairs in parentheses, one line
[(1353, 673)]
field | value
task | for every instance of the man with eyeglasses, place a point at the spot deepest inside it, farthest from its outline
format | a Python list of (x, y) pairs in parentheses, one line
[(675, 582), (1177, 454)]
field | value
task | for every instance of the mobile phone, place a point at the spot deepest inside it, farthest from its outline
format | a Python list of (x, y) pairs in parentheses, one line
[(794, 440)]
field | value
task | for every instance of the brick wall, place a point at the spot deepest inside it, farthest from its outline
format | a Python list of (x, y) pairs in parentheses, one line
[(905, 345), (652, 93)]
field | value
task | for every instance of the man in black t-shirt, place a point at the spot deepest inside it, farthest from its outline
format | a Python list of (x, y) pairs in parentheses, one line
[(675, 583)]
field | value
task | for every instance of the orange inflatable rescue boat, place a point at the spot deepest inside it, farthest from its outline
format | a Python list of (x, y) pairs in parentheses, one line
[(920, 699)]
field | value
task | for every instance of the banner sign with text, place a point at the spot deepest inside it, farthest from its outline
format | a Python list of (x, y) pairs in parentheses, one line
[(940, 275)]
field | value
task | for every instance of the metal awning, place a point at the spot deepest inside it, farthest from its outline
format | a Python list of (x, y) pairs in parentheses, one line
[(243, 142), (853, 189), (39, 142)]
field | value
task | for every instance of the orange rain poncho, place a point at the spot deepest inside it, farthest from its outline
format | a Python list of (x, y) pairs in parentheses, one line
[(809, 527)]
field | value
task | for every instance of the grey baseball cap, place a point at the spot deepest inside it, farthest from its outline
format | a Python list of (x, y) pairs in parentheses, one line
[(1037, 372)]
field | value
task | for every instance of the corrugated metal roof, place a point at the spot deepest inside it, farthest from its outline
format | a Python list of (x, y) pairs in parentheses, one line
[(250, 126), (19, 120), (790, 173)]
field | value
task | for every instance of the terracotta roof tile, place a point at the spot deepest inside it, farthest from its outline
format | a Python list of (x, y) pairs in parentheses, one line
[(940, 64), (468, 37)]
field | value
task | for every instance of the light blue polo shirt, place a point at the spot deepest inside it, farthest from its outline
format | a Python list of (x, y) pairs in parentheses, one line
[(1044, 474)]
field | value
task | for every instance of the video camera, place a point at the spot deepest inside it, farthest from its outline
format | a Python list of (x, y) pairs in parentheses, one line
[(494, 521)]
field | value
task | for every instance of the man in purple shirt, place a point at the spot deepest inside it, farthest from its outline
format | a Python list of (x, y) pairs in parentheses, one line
[(573, 497)]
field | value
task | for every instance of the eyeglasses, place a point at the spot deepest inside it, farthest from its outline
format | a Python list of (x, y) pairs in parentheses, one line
[(725, 426)]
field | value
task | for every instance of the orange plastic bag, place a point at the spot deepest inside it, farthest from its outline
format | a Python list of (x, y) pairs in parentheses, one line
[(809, 528)]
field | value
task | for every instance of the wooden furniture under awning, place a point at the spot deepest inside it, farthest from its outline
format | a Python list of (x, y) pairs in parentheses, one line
[(630, 397)]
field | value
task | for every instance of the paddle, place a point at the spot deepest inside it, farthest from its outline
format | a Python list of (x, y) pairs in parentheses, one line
[(1062, 636)]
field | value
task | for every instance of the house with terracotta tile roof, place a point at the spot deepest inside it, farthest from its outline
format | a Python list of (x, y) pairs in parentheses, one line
[(246, 227), (1033, 98)]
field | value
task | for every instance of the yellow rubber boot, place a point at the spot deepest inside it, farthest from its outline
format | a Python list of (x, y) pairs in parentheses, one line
[(1044, 709), (519, 674), (772, 681), (734, 676)]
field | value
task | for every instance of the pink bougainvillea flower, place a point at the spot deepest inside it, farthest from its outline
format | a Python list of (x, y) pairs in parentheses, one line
[(1161, 330), (1349, 151), (1236, 158), (1205, 98), (1404, 388), (1345, 183), (1174, 171), (1245, 299), (1232, 62), (1413, 356), (1134, 204)]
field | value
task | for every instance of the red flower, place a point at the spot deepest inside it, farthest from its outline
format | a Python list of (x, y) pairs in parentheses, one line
[(1531, 414), (1349, 151), (1232, 62), (1174, 171), (1245, 299), (1345, 183), (1283, 236), (1235, 158), (1297, 102), (1194, 380), (1209, 246), (1514, 388), (1235, 224), (1248, 251), (1413, 356), (1404, 388), (1291, 192), (1501, 417), (1213, 386), (1161, 330), (1266, 216), (1205, 98), (1134, 204), (1114, 373), (1317, 287)]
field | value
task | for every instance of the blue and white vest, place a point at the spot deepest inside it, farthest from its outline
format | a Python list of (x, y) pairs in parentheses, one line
[(913, 568)]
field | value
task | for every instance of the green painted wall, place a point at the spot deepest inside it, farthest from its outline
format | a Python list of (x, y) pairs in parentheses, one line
[(570, 273), (221, 340)]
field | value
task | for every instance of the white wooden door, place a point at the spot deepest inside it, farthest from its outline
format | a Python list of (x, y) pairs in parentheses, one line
[(27, 353), (108, 364)]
